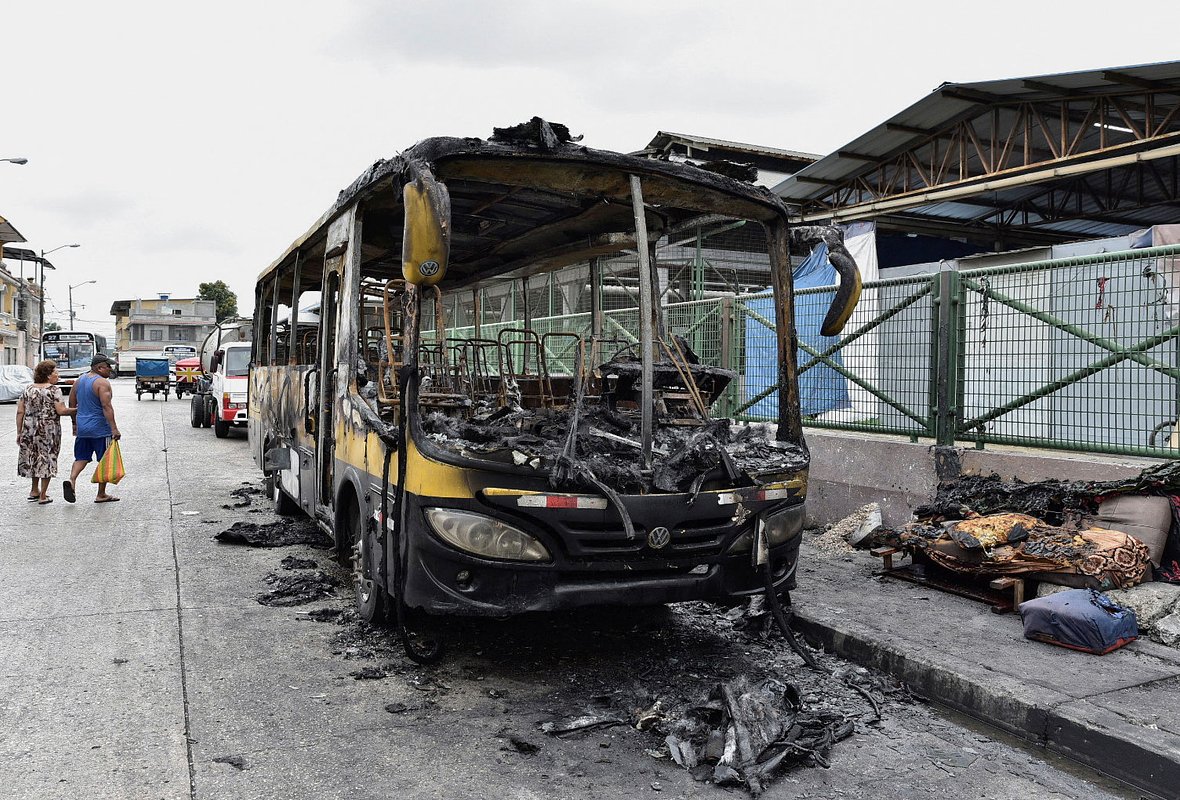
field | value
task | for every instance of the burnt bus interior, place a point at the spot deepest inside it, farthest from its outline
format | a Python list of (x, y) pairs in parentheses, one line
[(560, 403)]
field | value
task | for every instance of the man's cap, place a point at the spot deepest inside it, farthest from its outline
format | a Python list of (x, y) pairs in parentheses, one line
[(101, 359)]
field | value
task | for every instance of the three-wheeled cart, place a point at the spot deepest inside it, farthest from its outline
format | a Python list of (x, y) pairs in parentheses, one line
[(188, 372), (151, 375)]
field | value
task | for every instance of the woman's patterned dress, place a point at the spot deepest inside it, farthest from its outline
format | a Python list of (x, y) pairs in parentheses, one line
[(40, 436)]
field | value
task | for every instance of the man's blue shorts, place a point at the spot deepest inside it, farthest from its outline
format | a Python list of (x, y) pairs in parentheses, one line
[(86, 446)]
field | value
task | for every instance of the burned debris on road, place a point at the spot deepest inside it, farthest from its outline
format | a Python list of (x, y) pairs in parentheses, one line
[(282, 533)]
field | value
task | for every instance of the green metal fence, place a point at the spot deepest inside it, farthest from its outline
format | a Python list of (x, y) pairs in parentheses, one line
[(1076, 354), (1073, 354)]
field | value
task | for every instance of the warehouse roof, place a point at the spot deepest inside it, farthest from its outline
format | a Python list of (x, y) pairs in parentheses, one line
[(1072, 154)]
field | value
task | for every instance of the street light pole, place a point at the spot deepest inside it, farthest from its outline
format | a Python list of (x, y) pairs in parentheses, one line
[(41, 320), (17, 160), (72, 288)]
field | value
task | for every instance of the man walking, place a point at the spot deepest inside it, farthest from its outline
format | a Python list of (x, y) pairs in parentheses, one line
[(94, 424)]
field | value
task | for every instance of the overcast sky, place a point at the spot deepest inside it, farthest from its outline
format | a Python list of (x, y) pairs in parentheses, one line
[(181, 143)]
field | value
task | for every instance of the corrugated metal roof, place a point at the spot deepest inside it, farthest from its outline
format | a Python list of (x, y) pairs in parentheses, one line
[(8, 233), (946, 105)]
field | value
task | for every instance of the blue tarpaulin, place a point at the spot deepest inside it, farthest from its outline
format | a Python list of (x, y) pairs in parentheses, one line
[(151, 368), (821, 388)]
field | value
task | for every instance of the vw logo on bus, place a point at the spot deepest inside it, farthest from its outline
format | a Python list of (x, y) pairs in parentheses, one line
[(428, 268), (658, 538)]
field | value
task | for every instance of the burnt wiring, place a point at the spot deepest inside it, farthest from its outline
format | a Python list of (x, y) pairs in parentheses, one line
[(782, 619), (760, 557), (567, 467)]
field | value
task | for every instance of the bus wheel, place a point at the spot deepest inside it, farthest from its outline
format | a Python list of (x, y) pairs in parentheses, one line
[(366, 555), (283, 504)]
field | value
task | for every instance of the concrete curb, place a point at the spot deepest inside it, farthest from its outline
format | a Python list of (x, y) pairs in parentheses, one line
[(1077, 728)]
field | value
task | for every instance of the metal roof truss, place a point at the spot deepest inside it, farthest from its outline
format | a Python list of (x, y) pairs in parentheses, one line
[(1099, 155)]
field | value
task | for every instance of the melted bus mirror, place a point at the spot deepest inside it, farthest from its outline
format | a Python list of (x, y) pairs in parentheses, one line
[(426, 237), (847, 295)]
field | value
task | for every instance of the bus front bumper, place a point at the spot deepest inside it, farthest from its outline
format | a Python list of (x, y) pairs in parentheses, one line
[(442, 580)]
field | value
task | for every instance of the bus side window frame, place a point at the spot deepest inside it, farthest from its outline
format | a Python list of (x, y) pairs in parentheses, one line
[(263, 322)]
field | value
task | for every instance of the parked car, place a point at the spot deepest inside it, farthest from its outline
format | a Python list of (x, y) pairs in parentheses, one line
[(14, 379)]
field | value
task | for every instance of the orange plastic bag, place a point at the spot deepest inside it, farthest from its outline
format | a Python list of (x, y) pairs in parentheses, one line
[(110, 468)]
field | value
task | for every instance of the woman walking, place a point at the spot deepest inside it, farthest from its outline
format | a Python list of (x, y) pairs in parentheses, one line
[(38, 430)]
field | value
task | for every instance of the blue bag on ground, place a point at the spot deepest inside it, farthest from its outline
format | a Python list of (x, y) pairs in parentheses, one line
[(1081, 619)]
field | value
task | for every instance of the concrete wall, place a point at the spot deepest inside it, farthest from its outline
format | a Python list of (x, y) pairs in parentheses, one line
[(849, 470)]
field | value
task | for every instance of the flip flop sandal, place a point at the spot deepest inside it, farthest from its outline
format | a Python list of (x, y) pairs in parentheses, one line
[(46, 501), (33, 497), (67, 491), (106, 500)]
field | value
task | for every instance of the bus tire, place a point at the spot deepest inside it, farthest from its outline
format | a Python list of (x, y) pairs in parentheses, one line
[(370, 596), (220, 428), (196, 410), (284, 505)]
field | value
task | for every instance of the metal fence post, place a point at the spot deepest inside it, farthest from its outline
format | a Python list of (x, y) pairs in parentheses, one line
[(726, 353), (948, 369)]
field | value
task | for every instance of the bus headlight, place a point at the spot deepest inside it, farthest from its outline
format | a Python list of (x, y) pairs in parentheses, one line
[(780, 527), (485, 536)]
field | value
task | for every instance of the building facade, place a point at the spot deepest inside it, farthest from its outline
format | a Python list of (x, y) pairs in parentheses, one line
[(18, 318), (20, 300), (147, 325)]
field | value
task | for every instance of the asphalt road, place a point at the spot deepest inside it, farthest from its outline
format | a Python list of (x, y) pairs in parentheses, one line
[(138, 663)]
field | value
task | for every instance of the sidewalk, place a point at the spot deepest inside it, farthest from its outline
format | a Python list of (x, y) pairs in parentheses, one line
[(1118, 713)]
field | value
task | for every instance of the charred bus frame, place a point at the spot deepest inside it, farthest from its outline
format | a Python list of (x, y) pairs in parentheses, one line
[(449, 484)]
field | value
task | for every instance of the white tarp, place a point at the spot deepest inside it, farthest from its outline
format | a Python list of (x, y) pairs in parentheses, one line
[(860, 357)]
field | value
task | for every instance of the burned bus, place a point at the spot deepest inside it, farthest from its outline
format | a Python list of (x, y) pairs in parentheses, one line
[(465, 473)]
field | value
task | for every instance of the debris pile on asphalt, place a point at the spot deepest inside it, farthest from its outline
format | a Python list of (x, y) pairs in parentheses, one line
[(580, 724), (693, 684), (298, 589), (295, 562), (746, 733), (245, 494), (371, 673), (324, 614), (282, 533)]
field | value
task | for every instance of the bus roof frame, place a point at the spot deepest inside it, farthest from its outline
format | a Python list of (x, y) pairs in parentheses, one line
[(551, 167)]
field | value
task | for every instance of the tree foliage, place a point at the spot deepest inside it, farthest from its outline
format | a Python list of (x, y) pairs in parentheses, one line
[(52, 326), (226, 299)]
